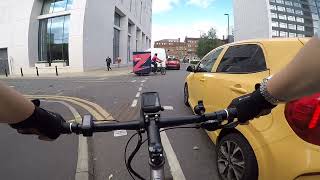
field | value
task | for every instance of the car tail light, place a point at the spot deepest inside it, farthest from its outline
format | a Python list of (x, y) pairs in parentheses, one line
[(303, 116)]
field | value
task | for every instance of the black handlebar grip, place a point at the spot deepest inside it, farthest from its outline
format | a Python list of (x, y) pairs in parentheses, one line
[(233, 113), (66, 128)]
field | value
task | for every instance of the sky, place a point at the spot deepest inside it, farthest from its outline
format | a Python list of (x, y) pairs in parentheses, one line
[(174, 19)]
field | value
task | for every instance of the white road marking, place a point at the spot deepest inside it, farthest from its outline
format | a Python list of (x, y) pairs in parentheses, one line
[(120, 133), (138, 94), (134, 103), (168, 107), (82, 171), (133, 80), (174, 164), (12, 86), (141, 84), (143, 81), (140, 89)]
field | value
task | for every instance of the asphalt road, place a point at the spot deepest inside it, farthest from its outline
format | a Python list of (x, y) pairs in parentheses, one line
[(24, 157)]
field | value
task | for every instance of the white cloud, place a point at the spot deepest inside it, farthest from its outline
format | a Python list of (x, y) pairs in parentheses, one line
[(200, 3), (182, 30), (159, 6)]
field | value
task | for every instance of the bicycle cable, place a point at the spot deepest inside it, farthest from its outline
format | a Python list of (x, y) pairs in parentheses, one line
[(131, 171), (138, 146)]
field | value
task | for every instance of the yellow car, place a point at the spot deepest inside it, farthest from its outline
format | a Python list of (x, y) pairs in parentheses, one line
[(280, 146)]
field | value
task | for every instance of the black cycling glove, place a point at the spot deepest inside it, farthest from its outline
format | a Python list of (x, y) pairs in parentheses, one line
[(47, 123), (251, 105)]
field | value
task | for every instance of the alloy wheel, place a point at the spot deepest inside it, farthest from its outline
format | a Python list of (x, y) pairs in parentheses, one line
[(231, 163)]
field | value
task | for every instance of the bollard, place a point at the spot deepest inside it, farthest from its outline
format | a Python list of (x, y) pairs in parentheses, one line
[(57, 71), (37, 71), (21, 72), (5, 71)]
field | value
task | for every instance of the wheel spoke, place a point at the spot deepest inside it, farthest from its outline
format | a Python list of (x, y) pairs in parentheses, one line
[(240, 164), (230, 174), (237, 173), (228, 147), (235, 150), (224, 151)]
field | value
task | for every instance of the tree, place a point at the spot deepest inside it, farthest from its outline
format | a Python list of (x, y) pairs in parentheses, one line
[(208, 42)]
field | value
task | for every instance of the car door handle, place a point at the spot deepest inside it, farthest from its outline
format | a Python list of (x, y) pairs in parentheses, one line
[(202, 79), (238, 89)]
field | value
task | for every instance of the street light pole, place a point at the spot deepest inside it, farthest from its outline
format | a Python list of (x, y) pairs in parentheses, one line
[(228, 25)]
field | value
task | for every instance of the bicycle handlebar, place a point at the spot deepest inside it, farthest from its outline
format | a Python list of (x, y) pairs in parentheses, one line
[(218, 117)]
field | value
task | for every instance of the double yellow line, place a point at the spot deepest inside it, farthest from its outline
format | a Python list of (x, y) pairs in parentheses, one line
[(94, 109)]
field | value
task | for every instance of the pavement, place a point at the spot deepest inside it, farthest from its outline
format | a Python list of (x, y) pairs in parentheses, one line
[(190, 153), (124, 70)]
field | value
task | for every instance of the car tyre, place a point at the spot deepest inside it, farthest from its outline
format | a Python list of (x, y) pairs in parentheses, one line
[(236, 159), (186, 95)]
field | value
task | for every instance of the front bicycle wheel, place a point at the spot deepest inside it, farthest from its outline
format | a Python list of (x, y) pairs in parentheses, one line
[(163, 71)]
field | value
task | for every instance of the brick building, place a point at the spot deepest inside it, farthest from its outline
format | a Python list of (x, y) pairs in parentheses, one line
[(176, 48)]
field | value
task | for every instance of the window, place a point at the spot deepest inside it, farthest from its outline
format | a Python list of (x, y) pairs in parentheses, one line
[(275, 33), (288, 3), (299, 19), (243, 59), (283, 34), (299, 12), (300, 35), (274, 15), (292, 26), (280, 1), (283, 25), (116, 44), (297, 4), (273, 7), (208, 61), (53, 6), (291, 18), (292, 35), (315, 16), (129, 49), (300, 28), (290, 10), (130, 26), (275, 24), (282, 16), (117, 19), (280, 8), (54, 39)]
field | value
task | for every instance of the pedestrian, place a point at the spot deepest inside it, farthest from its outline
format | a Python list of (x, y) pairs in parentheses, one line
[(118, 61), (108, 61)]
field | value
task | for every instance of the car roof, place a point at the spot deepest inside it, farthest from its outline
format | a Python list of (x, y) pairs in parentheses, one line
[(278, 51)]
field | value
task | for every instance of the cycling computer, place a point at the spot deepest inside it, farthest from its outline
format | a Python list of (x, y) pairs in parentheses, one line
[(150, 102)]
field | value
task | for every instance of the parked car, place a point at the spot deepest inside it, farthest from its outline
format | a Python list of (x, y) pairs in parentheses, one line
[(280, 146), (173, 63)]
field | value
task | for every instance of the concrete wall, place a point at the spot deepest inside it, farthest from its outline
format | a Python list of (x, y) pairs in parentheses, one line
[(99, 29), (252, 19), (14, 30)]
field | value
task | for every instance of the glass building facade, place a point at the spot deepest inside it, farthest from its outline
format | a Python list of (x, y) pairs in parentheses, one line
[(54, 32), (295, 18)]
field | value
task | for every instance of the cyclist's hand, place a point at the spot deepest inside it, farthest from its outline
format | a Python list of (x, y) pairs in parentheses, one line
[(251, 106), (47, 125)]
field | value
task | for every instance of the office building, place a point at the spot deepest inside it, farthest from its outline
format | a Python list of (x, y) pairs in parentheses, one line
[(275, 18), (74, 35)]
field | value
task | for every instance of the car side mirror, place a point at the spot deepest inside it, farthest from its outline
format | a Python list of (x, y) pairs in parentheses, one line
[(191, 68)]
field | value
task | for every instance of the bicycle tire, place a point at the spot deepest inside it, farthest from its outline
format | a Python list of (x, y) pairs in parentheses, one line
[(163, 71)]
